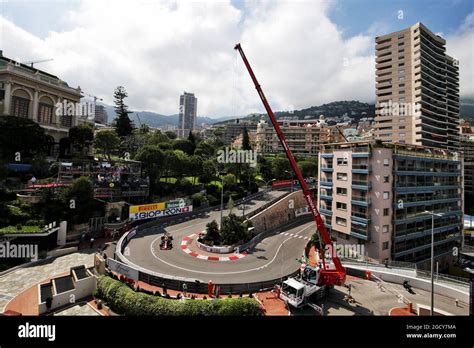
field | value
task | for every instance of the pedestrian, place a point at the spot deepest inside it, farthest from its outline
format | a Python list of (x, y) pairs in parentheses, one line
[(185, 288), (92, 242), (165, 290)]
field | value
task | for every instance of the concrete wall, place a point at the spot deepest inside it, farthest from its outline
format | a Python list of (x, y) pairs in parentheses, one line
[(83, 288), (439, 288)]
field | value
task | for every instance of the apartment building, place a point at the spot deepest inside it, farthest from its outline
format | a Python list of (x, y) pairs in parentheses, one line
[(417, 89), (100, 115), (187, 114), (31, 93), (302, 136), (376, 194)]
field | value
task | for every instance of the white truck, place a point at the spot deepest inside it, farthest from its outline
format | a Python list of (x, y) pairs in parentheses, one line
[(297, 291)]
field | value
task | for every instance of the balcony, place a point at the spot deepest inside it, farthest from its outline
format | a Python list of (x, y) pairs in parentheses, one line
[(325, 197), (362, 201), (360, 217), (325, 211), (327, 169), (360, 168), (324, 183), (360, 185)]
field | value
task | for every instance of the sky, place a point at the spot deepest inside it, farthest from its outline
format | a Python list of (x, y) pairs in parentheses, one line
[(304, 53)]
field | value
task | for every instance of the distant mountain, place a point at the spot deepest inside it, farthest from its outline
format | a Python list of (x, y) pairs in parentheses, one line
[(154, 119), (466, 108), (352, 108)]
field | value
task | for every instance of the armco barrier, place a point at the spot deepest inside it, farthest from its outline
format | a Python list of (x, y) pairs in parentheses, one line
[(194, 285)]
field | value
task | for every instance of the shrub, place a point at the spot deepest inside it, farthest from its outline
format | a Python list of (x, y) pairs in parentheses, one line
[(123, 300)]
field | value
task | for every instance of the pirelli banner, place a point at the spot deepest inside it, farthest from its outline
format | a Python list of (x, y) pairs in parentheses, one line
[(156, 210)]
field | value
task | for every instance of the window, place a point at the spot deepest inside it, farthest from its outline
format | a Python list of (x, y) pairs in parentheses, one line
[(385, 228), (386, 178), (386, 211), (385, 246), (342, 176), (342, 161), (66, 121), (386, 195), (20, 107), (341, 191), (341, 222), (341, 206), (386, 162), (45, 114)]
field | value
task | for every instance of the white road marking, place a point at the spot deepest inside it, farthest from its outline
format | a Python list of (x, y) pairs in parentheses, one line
[(234, 272)]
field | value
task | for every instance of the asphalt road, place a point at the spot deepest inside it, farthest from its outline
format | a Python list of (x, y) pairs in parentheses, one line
[(274, 257)]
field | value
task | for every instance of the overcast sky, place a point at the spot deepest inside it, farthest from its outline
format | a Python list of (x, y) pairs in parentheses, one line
[(303, 52)]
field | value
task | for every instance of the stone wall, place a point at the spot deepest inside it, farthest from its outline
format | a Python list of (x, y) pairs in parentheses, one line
[(280, 213)]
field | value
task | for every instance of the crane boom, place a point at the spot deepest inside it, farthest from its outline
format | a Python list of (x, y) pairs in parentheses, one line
[(328, 276)]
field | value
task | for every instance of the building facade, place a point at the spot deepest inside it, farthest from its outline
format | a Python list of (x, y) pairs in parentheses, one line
[(187, 114), (303, 137), (100, 115), (417, 89), (34, 94), (376, 194)]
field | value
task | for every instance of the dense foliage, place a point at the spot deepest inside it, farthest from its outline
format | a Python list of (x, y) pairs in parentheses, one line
[(125, 301)]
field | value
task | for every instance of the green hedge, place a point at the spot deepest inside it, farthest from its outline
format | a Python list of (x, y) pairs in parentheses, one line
[(124, 300)]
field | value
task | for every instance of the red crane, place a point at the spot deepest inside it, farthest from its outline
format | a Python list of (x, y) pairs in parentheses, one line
[(328, 276)]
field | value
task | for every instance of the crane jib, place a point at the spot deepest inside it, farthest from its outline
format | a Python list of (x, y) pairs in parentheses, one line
[(331, 277)]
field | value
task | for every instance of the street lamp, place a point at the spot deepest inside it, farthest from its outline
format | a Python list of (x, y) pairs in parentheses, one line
[(286, 171), (433, 214), (266, 186)]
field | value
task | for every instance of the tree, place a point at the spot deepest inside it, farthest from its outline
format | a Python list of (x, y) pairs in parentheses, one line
[(233, 229), (192, 140), (212, 232), (21, 135), (246, 140), (144, 129), (280, 167), (158, 138), (80, 201), (107, 141), (265, 168), (123, 124), (184, 145), (195, 166), (153, 160), (171, 135), (81, 136), (205, 149), (208, 173), (308, 168)]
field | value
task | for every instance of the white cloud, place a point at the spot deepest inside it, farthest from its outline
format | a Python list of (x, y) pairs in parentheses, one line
[(460, 45), (159, 49)]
